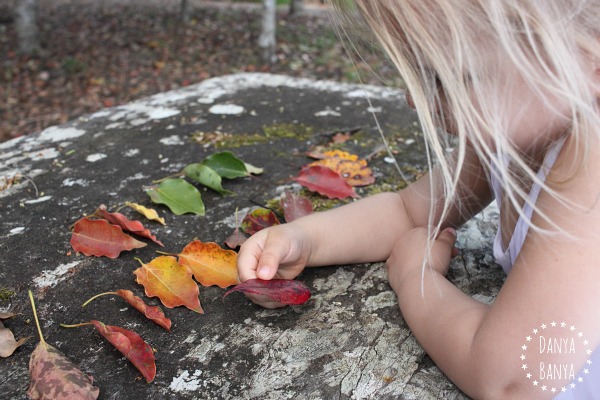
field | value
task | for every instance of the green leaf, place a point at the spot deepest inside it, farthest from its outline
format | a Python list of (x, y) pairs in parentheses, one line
[(253, 170), (180, 196), (227, 165), (206, 176)]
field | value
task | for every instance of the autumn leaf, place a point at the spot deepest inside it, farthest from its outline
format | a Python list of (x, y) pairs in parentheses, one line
[(149, 213), (171, 282), (258, 219), (210, 264), (227, 165), (206, 176), (295, 206), (132, 346), (284, 291), (354, 170), (135, 227), (101, 238), (8, 344), (237, 238), (325, 181), (153, 313), (54, 376), (180, 196)]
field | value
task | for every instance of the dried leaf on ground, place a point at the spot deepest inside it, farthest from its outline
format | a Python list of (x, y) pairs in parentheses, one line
[(171, 282), (132, 346), (101, 238), (258, 219), (211, 264), (135, 227), (149, 213), (54, 376), (295, 206), (8, 344), (284, 291), (180, 196), (325, 181)]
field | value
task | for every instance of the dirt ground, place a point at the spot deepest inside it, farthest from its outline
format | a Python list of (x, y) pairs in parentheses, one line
[(102, 53)]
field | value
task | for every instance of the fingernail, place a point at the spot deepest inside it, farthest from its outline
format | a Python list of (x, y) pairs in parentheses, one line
[(451, 230)]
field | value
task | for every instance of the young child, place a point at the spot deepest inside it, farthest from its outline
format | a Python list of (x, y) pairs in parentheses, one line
[(516, 84)]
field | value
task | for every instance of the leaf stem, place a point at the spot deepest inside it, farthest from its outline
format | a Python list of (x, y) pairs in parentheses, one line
[(75, 325), (95, 297), (137, 259), (178, 175), (164, 253), (37, 322)]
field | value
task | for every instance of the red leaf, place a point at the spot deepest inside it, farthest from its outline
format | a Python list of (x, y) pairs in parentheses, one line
[(325, 181), (132, 346), (295, 206), (135, 227), (284, 291), (258, 219), (153, 313), (100, 238)]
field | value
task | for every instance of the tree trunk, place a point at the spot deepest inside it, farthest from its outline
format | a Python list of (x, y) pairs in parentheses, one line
[(26, 25), (296, 7), (186, 11), (266, 41)]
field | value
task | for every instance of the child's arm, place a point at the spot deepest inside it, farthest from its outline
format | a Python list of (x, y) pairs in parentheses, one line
[(555, 279), (363, 231)]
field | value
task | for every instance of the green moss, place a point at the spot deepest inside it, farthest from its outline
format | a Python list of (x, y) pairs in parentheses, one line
[(6, 294), (231, 140)]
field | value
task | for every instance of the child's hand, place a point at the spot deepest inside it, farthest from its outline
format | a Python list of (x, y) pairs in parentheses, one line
[(279, 252), (410, 251)]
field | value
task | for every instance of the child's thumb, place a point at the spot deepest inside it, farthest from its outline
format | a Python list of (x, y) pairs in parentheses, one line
[(448, 236)]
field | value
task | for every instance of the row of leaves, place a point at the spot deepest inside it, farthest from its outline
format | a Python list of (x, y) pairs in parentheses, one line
[(170, 279)]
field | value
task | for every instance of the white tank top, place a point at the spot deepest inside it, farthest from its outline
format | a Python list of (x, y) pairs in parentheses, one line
[(590, 387)]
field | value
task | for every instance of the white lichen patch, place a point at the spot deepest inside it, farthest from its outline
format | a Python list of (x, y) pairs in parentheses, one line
[(204, 351), (38, 200), (132, 152), (95, 157), (58, 134), (142, 112), (226, 109), (381, 300), (72, 182), (44, 154), (51, 278), (328, 113), (185, 382), (17, 230), (173, 140)]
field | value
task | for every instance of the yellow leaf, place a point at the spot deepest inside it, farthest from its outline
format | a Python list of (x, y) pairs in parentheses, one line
[(211, 264), (146, 212)]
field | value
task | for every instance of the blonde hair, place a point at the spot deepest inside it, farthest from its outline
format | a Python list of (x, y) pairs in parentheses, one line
[(449, 51)]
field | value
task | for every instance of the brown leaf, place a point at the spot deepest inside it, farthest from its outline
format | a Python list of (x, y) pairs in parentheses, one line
[(8, 344), (258, 219), (55, 377), (135, 227), (295, 206)]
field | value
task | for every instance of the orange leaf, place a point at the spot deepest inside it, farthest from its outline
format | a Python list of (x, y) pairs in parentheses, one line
[(210, 264), (132, 346), (353, 170), (171, 282), (100, 238)]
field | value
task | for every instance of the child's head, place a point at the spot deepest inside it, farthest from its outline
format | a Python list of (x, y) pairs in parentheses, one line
[(506, 76)]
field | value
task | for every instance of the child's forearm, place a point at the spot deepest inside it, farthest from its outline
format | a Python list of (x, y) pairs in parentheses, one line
[(363, 231)]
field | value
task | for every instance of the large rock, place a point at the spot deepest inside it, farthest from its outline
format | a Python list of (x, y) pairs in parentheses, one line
[(348, 341)]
